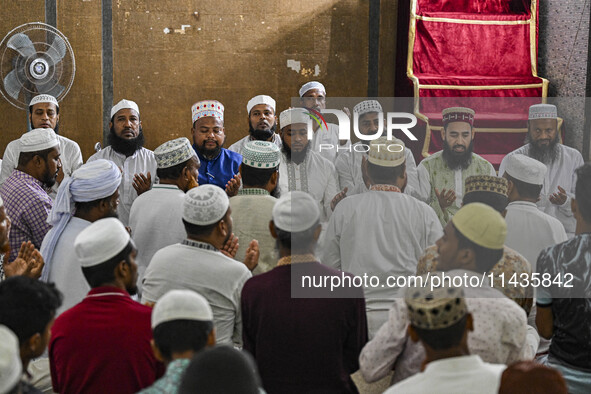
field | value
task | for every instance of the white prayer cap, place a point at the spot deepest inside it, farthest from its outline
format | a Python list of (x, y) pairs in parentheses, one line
[(43, 98), (261, 154), (261, 99), (205, 205), (37, 140), (526, 169), (202, 109), (311, 85), (367, 106), (543, 111), (11, 366), (386, 153), (123, 104), (295, 212), (293, 115), (174, 152), (181, 305), (101, 241)]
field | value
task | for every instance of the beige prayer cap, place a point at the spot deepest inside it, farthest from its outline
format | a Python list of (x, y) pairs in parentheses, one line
[(101, 241), (123, 104), (11, 366), (482, 225), (458, 114), (43, 98), (367, 106), (174, 152), (542, 111), (386, 153), (526, 169), (437, 308), (181, 305), (260, 99), (296, 212), (205, 205), (486, 183), (293, 115), (37, 140)]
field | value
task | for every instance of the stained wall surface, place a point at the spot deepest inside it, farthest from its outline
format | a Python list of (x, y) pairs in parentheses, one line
[(215, 49)]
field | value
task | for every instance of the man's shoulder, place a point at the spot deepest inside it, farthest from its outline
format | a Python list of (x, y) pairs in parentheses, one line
[(571, 153), (238, 145), (430, 160), (67, 143), (232, 156)]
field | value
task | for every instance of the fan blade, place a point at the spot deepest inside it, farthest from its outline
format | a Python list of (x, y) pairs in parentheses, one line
[(12, 84), (56, 51), (51, 87), (22, 44)]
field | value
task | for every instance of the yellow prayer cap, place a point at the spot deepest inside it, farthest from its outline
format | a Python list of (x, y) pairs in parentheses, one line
[(482, 225)]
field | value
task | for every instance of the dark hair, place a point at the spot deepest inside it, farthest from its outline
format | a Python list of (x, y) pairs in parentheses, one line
[(296, 242), (173, 172), (87, 206), (495, 200), (256, 177), (445, 338), (525, 190), (201, 231), (103, 273), (380, 174), (27, 305), (485, 258), (208, 373), (583, 191), (26, 157), (181, 335)]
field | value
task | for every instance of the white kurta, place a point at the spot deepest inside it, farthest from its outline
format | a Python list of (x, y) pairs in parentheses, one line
[(325, 137), (560, 173), (70, 156), (156, 221), (348, 166), (238, 146), (530, 230), (216, 277), (251, 215), (383, 234), (142, 161), (66, 271), (315, 176), (453, 375)]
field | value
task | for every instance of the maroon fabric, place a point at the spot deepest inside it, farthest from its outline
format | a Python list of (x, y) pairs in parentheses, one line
[(102, 345), (530, 377), (475, 6), (302, 345)]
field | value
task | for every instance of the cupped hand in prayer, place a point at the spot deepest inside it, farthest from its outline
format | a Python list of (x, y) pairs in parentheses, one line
[(142, 183), (251, 259), (28, 262), (233, 185), (231, 246), (558, 198), (445, 197)]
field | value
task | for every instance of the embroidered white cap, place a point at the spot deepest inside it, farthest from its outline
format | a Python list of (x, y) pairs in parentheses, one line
[(526, 169), (295, 212), (205, 205), (37, 140), (386, 153), (174, 152), (542, 111), (101, 241), (181, 305), (43, 98), (367, 106)]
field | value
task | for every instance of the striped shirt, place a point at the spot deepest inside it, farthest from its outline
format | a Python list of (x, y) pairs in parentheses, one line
[(27, 205)]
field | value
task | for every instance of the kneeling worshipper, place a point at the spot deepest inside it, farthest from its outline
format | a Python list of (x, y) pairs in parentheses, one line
[(90, 194), (441, 322), (472, 244)]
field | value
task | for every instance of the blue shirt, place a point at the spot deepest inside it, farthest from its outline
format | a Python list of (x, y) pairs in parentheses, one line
[(220, 170)]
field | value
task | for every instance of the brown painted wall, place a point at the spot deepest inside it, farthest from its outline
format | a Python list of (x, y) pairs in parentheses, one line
[(232, 51)]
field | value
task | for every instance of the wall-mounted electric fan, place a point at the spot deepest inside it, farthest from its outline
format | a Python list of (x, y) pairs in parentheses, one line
[(35, 58)]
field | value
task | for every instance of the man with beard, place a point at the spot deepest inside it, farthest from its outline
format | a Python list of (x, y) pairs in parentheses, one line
[(90, 194), (102, 345), (542, 144), (24, 192), (126, 150), (219, 166), (262, 123), (44, 114), (200, 266), (253, 206), (443, 174), (313, 96), (302, 168)]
